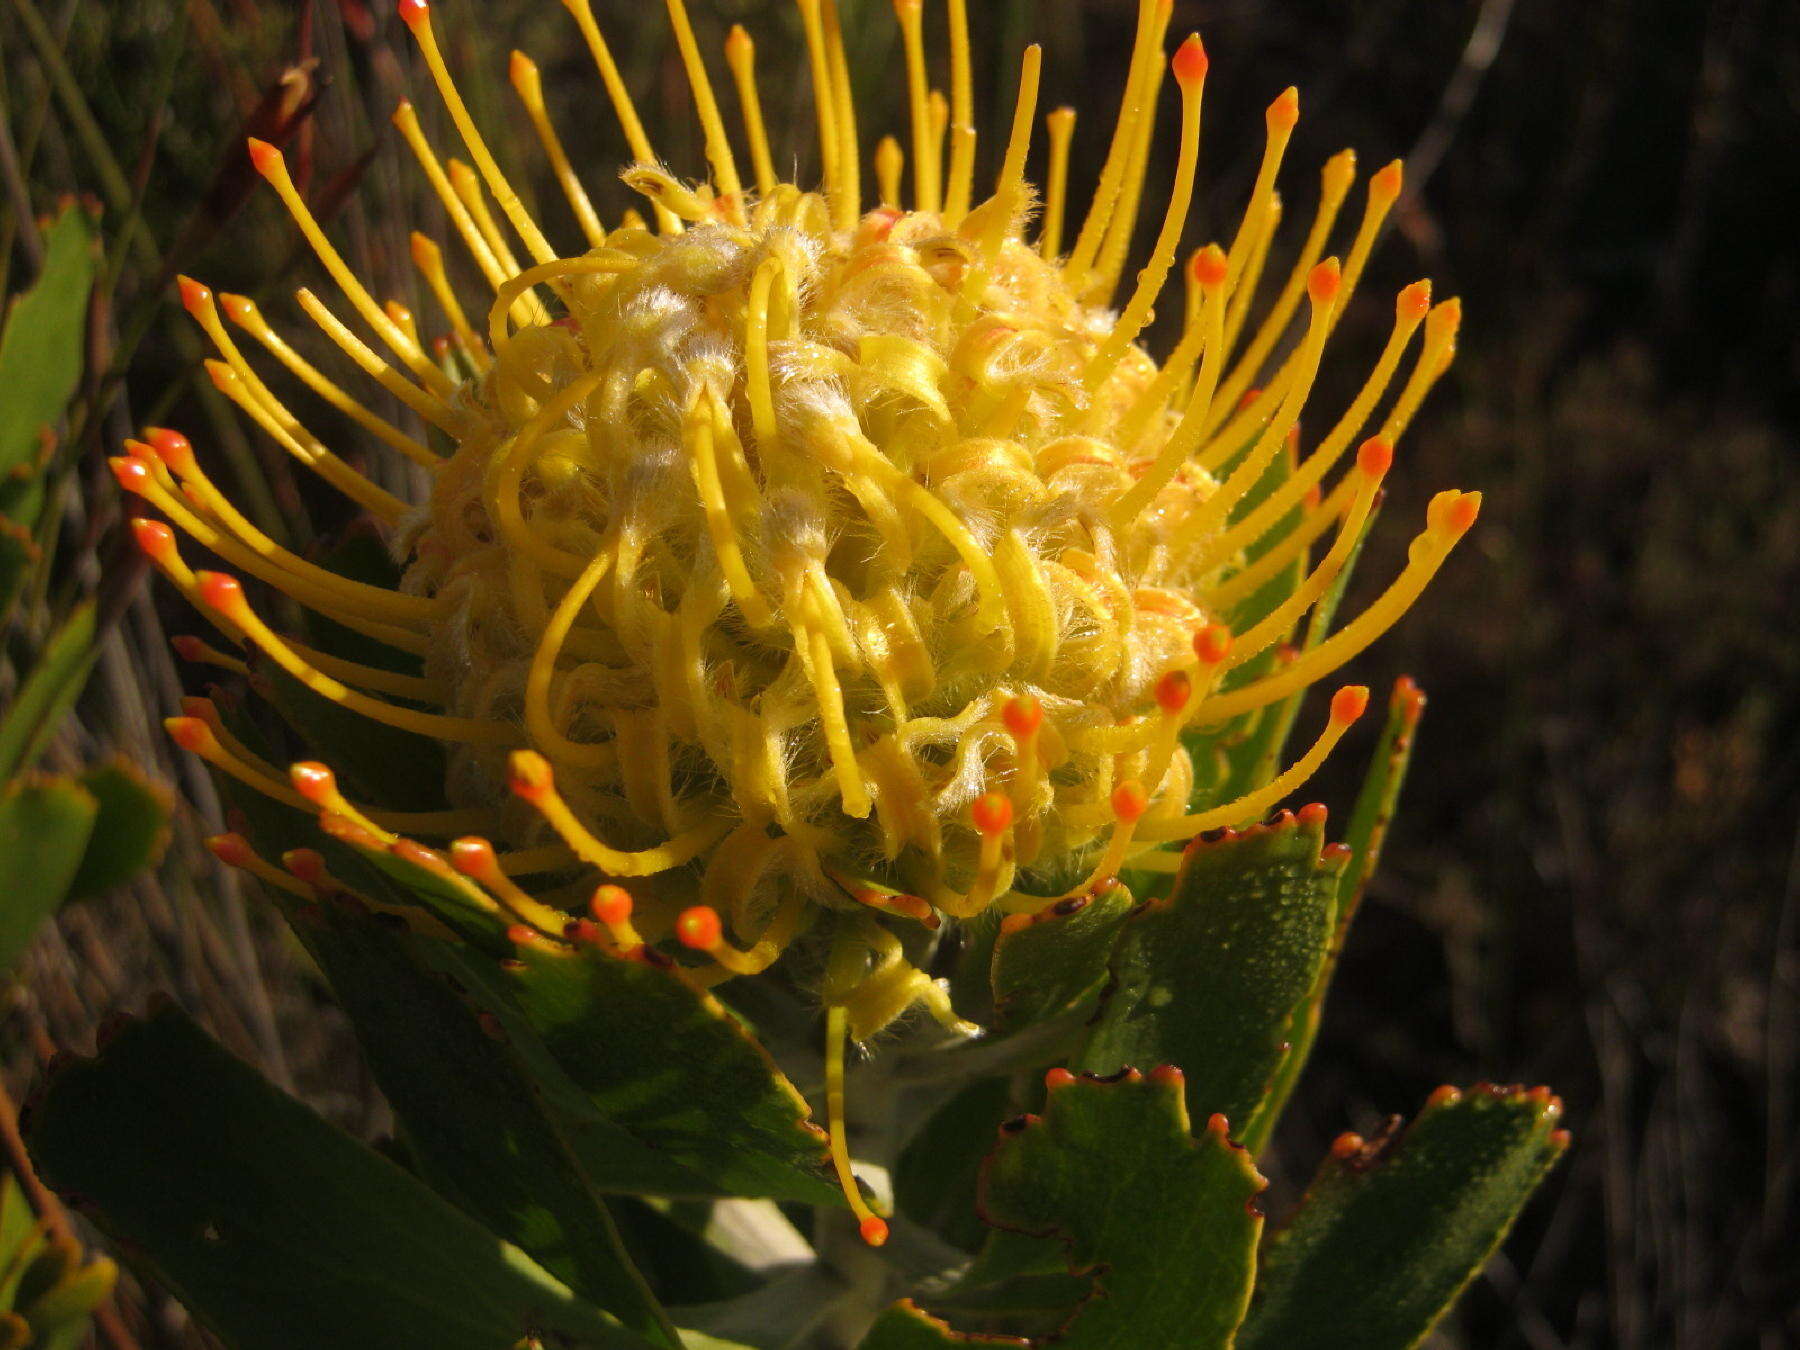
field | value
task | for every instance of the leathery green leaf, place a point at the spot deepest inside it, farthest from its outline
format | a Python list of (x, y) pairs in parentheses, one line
[(1391, 1230), (44, 829), (1210, 977), (937, 1172), (130, 831), (1045, 963), (1363, 838), (275, 1229), (671, 1066), (48, 692), (497, 1154), (41, 347), (1160, 1223)]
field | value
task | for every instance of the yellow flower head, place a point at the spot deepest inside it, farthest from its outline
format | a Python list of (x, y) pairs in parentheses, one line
[(796, 553)]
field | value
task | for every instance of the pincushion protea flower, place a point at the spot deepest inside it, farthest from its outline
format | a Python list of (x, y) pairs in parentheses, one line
[(795, 556)]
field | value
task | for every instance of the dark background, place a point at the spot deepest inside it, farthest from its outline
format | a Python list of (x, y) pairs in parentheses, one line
[(1593, 879)]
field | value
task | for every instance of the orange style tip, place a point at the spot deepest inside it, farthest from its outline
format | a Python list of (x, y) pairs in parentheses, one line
[(220, 590), (187, 646), (1217, 1124), (425, 251), (133, 474), (1409, 700), (1312, 498), (1387, 181), (1452, 513), (520, 67), (1211, 266), (313, 781), (1346, 1145), (698, 927), (306, 863), (1129, 803), (440, 348), (473, 856), (521, 935), (1561, 1138), (1349, 703), (1250, 397), (157, 540), (172, 448), (190, 733), (1058, 1078), (265, 158), (1375, 457), (1444, 1095), (194, 296), (1413, 301), (874, 1230), (1313, 813), (1190, 61), (1449, 314), (240, 309), (529, 775), (222, 376), (1173, 691), (1212, 644), (413, 13), (1022, 716), (992, 813), (1323, 281), (1014, 923), (1168, 1075), (231, 849), (906, 9), (1284, 112), (737, 41), (611, 905)]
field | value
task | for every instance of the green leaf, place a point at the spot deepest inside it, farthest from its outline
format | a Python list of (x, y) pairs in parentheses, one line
[(48, 692), (274, 1228), (1210, 978), (130, 832), (615, 1160), (21, 499), (59, 1315), (1363, 838), (672, 1067), (1391, 1232), (937, 1172), (41, 348), (496, 1154), (1047, 963), (44, 829), (668, 1239), (1379, 794), (1162, 1225)]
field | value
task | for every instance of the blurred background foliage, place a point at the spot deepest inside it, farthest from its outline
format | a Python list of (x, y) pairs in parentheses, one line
[(1596, 879)]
